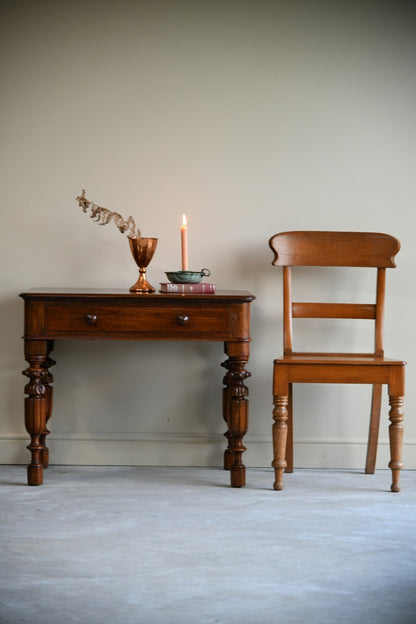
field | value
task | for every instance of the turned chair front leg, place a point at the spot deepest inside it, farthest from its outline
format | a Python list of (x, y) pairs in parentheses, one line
[(396, 416), (280, 415)]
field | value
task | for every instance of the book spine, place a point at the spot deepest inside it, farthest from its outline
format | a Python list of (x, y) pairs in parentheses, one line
[(168, 287)]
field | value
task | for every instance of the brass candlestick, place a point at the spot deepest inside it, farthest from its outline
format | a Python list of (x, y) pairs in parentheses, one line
[(142, 250)]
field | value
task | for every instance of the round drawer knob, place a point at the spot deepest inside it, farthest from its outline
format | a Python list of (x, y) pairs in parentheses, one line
[(182, 319), (91, 319)]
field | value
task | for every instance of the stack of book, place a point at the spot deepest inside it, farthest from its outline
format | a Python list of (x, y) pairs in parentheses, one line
[(203, 287)]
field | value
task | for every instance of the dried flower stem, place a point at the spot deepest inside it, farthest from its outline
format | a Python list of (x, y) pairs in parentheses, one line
[(102, 216)]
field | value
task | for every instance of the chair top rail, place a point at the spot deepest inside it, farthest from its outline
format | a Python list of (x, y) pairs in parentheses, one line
[(324, 248)]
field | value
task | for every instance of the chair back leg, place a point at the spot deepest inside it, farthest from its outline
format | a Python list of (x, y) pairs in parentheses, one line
[(370, 464)]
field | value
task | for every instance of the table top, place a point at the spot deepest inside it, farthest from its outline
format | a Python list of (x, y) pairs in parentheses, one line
[(119, 293)]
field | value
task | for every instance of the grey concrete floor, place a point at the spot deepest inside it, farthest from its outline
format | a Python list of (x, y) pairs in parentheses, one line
[(142, 545)]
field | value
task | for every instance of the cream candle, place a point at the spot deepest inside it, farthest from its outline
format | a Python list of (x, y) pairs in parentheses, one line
[(184, 243)]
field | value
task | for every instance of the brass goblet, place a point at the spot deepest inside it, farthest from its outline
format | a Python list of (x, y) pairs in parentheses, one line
[(142, 250)]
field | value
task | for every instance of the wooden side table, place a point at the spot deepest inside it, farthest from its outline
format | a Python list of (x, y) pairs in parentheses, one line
[(59, 314)]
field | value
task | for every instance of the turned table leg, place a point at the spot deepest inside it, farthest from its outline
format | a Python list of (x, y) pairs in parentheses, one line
[(226, 399), (47, 380), (236, 410), (38, 405)]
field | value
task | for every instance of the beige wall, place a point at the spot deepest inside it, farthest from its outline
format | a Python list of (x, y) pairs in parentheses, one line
[(251, 117)]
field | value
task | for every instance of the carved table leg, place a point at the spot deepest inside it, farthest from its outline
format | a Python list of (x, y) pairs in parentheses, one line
[(236, 409), (226, 398), (280, 415), (47, 380), (37, 404), (396, 439)]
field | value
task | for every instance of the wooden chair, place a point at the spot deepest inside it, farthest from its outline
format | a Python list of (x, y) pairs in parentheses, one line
[(336, 249)]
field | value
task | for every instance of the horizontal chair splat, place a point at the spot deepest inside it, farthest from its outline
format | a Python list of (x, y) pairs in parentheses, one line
[(334, 310)]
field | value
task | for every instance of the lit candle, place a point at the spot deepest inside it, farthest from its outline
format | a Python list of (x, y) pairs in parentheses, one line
[(184, 243)]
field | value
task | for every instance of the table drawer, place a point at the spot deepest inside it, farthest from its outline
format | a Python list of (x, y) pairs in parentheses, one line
[(96, 320)]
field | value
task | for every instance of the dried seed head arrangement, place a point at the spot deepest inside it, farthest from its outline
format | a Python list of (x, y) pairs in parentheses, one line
[(102, 216)]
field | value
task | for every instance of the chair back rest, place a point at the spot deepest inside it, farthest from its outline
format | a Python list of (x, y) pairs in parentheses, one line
[(336, 249)]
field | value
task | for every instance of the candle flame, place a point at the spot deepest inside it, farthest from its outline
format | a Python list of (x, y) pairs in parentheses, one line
[(184, 221)]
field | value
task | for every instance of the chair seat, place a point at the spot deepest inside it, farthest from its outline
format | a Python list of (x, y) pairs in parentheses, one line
[(338, 358), (336, 368)]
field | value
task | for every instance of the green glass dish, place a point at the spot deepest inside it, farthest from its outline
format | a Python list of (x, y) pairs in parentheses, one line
[(187, 277)]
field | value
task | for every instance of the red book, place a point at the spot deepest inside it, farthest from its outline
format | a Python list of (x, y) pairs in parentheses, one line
[(204, 288)]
